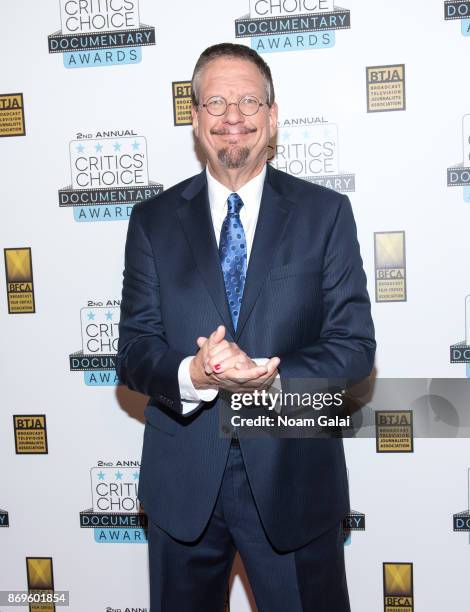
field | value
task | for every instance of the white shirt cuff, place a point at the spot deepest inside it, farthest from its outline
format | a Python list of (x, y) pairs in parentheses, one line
[(275, 386), (190, 396), (264, 361)]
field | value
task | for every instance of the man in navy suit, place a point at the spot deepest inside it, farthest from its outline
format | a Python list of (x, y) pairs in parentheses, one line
[(233, 278)]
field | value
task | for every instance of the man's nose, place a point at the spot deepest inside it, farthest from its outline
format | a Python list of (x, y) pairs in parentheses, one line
[(232, 113)]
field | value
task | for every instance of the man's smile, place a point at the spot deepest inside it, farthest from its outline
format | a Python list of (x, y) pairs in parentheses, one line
[(232, 131)]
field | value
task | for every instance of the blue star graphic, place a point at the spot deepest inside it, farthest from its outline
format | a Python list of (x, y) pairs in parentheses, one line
[(135, 145), (109, 315), (98, 147), (285, 135), (101, 475), (306, 135), (118, 475), (91, 316), (117, 146), (136, 475), (80, 148)]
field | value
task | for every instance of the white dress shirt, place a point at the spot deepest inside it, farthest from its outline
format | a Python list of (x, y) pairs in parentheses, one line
[(250, 194)]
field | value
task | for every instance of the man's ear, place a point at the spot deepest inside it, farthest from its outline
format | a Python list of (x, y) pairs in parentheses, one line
[(273, 120), (195, 118)]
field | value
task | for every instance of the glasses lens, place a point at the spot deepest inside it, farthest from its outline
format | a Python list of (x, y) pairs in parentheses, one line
[(249, 105), (216, 105)]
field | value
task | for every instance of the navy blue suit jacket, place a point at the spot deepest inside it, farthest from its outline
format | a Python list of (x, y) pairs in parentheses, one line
[(305, 300)]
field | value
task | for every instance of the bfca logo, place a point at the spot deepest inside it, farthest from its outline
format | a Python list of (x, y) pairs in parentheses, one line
[(398, 587), (100, 335), (100, 33), (460, 352), (109, 174), (292, 25), (308, 148), (115, 515), (459, 174), (459, 9)]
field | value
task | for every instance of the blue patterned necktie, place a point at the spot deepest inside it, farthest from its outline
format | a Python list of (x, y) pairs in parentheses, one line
[(232, 253)]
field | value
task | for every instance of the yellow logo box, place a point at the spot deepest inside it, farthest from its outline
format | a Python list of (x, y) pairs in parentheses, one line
[(19, 278), (386, 88), (398, 587), (182, 103), (12, 115), (30, 434)]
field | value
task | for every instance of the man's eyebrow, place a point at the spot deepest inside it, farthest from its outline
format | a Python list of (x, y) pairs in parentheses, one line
[(248, 93)]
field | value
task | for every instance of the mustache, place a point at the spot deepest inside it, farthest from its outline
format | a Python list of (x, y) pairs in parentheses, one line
[(229, 132)]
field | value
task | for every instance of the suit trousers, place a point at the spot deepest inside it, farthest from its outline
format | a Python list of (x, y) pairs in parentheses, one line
[(193, 577)]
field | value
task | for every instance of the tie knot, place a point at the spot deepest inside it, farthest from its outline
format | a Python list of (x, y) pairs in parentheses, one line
[(234, 203)]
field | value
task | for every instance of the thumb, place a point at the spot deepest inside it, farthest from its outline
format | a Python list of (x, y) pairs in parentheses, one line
[(272, 364), (218, 335), (201, 341)]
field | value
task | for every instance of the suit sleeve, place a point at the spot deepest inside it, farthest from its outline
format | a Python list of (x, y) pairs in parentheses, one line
[(145, 362), (346, 347)]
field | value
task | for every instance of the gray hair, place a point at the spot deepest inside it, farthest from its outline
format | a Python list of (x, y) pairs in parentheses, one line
[(237, 52)]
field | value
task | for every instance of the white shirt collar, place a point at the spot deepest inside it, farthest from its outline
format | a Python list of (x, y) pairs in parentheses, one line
[(250, 193)]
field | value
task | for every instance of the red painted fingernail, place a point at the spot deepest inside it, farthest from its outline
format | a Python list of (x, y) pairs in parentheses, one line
[(217, 366)]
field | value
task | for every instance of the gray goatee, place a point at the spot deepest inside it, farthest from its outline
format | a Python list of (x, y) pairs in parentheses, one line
[(233, 157)]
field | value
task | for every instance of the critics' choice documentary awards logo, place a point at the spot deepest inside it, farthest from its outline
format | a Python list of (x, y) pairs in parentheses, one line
[(398, 587), (461, 520), (4, 520), (460, 352), (19, 277), (12, 115), (386, 88), (115, 515), (308, 148), (459, 174), (390, 267), (100, 336), (30, 434), (394, 431), (109, 173), (353, 521), (100, 33), (291, 25), (459, 9)]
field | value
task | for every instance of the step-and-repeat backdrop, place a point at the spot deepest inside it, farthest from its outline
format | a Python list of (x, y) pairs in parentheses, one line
[(374, 102)]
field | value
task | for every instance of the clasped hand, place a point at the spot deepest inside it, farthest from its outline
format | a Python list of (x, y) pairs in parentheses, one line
[(223, 365)]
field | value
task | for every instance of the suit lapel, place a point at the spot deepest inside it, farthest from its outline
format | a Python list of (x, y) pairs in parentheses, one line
[(196, 220), (273, 218)]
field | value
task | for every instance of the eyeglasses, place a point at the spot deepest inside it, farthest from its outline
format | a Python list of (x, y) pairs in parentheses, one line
[(217, 105)]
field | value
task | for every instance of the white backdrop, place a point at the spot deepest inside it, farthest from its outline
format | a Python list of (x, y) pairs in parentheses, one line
[(399, 160)]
